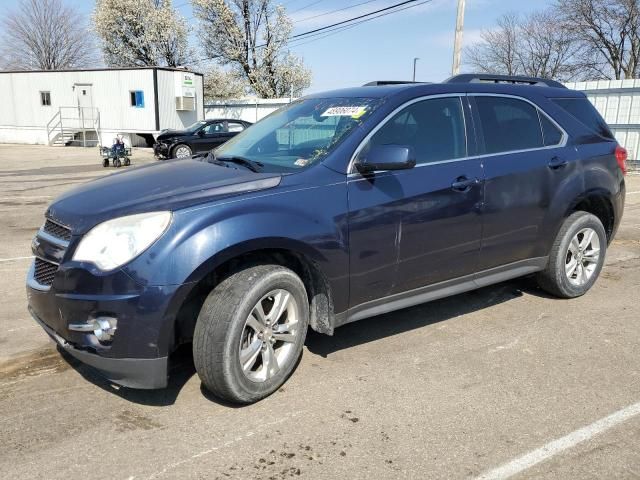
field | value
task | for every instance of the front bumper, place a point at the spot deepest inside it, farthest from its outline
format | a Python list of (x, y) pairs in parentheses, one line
[(137, 354), (145, 373), (161, 150)]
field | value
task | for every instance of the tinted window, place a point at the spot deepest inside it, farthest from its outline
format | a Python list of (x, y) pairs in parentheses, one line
[(583, 111), (434, 128), (508, 124), (552, 134)]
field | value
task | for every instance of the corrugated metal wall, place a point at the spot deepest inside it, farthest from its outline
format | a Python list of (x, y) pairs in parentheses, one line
[(618, 101)]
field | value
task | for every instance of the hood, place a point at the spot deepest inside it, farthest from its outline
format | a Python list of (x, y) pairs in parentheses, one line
[(167, 134), (169, 185)]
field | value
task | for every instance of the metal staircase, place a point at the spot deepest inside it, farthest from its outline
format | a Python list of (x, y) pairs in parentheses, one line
[(74, 126)]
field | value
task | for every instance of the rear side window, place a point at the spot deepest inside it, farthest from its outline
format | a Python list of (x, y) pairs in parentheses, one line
[(434, 128), (583, 111), (552, 134), (508, 124)]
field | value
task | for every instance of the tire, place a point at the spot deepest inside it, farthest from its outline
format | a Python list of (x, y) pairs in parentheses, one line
[(127, 162), (116, 163), (576, 257), (105, 162), (228, 328), (181, 151)]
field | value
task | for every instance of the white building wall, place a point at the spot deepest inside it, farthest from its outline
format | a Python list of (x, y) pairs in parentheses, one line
[(168, 89), (250, 110), (24, 120)]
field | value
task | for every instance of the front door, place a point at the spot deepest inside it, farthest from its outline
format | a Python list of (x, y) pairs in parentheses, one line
[(209, 136), (416, 227)]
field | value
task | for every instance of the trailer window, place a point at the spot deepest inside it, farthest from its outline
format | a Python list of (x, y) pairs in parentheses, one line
[(137, 98), (45, 99)]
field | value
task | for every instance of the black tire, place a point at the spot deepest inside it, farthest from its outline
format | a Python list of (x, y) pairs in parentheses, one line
[(554, 279), (179, 146), (116, 163), (222, 324), (105, 162), (127, 162)]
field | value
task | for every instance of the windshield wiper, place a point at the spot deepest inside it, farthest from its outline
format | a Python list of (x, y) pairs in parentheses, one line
[(252, 165)]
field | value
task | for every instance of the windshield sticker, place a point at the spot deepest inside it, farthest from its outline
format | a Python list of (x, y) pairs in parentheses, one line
[(350, 111), (301, 162)]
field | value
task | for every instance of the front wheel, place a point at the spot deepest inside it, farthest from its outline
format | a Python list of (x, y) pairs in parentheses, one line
[(181, 151), (250, 333), (576, 257)]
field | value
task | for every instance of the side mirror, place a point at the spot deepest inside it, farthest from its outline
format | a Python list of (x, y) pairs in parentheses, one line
[(201, 132), (386, 157)]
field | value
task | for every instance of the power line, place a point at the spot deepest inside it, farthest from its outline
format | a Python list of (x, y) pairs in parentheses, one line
[(340, 26), (334, 11), (391, 7), (320, 36), (306, 6)]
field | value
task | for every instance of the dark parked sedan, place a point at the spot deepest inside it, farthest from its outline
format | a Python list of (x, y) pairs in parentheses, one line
[(202, 136)]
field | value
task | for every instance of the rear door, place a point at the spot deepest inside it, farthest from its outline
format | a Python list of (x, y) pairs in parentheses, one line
[(525, 160), (410, 228)]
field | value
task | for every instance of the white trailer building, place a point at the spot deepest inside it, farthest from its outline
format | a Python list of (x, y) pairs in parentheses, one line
[(89, 107)]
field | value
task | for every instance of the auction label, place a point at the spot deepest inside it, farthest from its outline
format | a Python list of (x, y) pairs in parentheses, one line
[(349, 111)]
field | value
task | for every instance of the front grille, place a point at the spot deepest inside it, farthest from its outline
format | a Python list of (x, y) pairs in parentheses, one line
[(57, 230), (44, 272)]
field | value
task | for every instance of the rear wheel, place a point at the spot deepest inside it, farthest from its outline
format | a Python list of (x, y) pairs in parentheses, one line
[(181, 151), (250, 332), (576, 257)]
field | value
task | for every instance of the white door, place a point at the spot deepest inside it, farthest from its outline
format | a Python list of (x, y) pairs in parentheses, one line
[(85, 104)]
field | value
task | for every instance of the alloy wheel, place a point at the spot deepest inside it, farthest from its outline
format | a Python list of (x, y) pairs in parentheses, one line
[(582, 256), (268, 338)]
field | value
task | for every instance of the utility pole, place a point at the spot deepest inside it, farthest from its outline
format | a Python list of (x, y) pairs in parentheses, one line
[(415, 60), (457, 45)]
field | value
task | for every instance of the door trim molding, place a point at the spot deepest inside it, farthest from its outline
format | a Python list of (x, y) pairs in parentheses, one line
[(439, 290)]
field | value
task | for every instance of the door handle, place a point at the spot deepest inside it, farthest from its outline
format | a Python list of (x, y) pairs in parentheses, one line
[(556, 163), (463, 184)]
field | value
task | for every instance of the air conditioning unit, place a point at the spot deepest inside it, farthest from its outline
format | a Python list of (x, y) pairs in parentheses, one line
[(186, 103)]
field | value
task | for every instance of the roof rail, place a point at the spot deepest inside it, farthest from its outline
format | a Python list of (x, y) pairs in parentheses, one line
[(514, 79), (379, 83)]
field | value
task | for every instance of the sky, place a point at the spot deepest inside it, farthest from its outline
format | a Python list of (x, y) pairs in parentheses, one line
[(382, 49)]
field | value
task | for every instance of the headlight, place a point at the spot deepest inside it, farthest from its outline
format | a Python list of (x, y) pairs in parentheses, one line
[(115, 242)]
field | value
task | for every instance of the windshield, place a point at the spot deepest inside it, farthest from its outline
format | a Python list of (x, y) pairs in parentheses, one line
[(195, 126), (300, 134)]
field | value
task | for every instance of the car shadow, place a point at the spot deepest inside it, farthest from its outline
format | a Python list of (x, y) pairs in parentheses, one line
[(181, 369), (400, 321)]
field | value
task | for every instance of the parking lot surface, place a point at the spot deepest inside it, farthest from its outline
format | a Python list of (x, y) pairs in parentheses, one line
[(497, 383)]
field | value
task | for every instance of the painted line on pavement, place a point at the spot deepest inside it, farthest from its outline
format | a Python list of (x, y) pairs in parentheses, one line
[(555, 447), (15, 258)]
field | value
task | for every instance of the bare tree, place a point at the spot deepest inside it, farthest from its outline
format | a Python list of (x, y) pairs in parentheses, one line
[(610, 30), (141, 33), (250, 38), (534, 45), (45, 35)]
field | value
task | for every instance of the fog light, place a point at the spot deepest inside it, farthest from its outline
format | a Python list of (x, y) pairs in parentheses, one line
[(106, 328), (102, 327)]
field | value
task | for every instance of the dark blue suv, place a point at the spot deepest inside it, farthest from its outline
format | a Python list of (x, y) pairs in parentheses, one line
[(341, 206)]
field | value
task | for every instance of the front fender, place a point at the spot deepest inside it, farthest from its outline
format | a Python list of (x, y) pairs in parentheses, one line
[(309, 221)]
